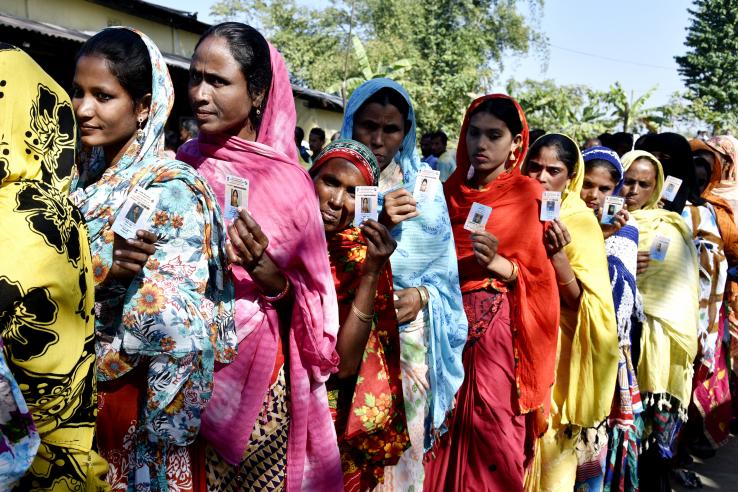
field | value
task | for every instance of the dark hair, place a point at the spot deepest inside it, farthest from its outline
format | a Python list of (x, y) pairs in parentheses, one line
[(171, 139), (535, 134), (126, 56), (388, 96), (299, 133), (566, 150), (680, 165), (605, 140), (251, 51), (442, 135), (502, 109), (426, 135), (190, 124), (319, 132), (595, 163)]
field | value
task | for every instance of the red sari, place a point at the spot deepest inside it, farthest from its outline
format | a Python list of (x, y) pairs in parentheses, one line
[(511, 349), (369, 411)]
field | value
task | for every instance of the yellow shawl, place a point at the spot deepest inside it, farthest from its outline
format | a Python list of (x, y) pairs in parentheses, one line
[(46, 290), (588, 344), (670, 291)]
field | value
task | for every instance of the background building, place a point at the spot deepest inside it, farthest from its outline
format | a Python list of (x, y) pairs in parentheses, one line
[(52, 31)]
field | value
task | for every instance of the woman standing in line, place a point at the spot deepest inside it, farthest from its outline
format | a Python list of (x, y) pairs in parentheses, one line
[(668, 341), (587, 361), (366, 394), (163, 315), (433, 326), (267, 425), (48, 396), (511, 302)]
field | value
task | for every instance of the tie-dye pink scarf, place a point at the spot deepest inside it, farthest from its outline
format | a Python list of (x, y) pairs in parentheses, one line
[(282, 200)]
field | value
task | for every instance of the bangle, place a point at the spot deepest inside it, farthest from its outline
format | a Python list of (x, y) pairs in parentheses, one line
[(570, 281), (514, 273), (279, 296), (423, 295), (366, 318)]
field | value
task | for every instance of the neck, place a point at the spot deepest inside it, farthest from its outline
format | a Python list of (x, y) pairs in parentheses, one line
[(114, 152), (247, 132), (483, 178)]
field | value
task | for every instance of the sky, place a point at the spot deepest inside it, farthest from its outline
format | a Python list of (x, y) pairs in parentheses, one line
[(592, 42)]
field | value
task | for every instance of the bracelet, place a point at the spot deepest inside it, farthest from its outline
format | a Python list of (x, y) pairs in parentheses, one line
[(279, 296), (570, 281), (423, 295), (514, 273), (366, 318)]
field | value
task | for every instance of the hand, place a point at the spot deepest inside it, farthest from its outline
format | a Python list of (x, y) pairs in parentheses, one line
[(407, 305), (618, 222), (131, 255), (644, 257), (247, 242), (247, 247), (556, 237), (379, 245), (399, 205), (485, 247)]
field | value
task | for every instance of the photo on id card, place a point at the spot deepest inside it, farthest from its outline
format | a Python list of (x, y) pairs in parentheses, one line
[(365, 204), (478, 216), (236, 196), (135, 213), (671, 188), (613, 205), (425, 185), (659, 247), (550, 205)]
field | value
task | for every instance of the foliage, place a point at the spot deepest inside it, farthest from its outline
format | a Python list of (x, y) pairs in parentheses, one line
[(709, 66), (452, 47), (630, 111)]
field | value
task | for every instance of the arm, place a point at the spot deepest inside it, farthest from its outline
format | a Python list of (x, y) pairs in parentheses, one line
[(485, 251), (556, 237), (354, 332)]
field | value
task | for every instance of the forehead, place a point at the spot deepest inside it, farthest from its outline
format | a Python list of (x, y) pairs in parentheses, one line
[(379, 112), (600, 174), (642, 169), (486, 121), (94, 68), (214, 54), (548, 156)]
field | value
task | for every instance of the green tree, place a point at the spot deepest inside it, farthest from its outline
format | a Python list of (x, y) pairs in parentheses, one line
[(709, 68), (453, 46), (631, 112), (575, 110)]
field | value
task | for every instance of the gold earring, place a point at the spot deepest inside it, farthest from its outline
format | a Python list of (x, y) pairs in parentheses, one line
[(140, 135)]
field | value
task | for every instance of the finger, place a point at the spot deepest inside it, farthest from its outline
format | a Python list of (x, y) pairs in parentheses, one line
[(238, 246), (146, 236), (372, 234), (254, 229), (401, 209), (131, 256), (246, 237), (145, 247), (131, 268), (232, 255)]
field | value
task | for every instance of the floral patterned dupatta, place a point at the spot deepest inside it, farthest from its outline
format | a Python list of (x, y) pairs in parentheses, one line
[(373, 429)]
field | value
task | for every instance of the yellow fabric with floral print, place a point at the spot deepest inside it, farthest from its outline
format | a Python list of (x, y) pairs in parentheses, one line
[(46, 290)]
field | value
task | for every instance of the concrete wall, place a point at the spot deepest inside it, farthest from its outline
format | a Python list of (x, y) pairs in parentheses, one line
[(309, 118), (90, 17)]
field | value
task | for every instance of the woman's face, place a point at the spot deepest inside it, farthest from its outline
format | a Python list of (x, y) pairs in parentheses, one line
[(382, 129), (106, 114), (335, 183), (489, 142), (547, 169), (598, 184), (218, 91), (639, 184)]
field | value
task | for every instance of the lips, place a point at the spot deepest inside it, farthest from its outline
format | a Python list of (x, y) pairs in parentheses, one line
[(203, 115), (480, 158), (328, 217)]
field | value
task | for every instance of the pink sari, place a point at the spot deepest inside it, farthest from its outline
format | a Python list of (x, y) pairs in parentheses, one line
[(282, 200)]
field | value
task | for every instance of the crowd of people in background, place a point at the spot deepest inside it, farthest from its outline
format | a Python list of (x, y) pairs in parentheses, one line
[(202, 310)]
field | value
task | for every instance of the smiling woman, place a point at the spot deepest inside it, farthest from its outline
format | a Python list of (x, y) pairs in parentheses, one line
[(157, 315)]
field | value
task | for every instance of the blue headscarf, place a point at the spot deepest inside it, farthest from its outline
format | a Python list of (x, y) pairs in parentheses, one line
[(609, 155), (425, 255)]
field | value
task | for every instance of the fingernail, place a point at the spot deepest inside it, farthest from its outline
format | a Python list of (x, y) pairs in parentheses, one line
[(131, 241)]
